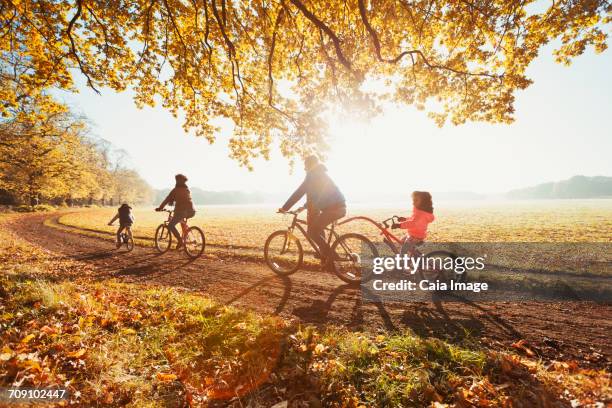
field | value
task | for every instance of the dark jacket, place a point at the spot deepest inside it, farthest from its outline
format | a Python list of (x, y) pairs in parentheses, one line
[(181, 197), (125, 215), (321, 192)]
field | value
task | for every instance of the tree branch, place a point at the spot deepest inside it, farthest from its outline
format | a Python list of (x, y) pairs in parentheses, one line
[(73, 45), (376, 43), (279, 18), (147, 32), (323, 27), (177, 31)]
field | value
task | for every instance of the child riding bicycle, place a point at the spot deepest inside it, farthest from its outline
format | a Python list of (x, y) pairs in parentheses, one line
[(126, 219), (416, 225)]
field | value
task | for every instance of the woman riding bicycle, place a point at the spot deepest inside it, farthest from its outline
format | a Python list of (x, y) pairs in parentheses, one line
[(324, 201), (183, 206)]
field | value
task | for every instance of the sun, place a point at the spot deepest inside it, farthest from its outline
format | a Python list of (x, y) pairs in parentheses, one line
[(391, 150)]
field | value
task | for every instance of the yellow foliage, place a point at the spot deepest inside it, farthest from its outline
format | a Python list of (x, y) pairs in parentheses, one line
[(46, 152), (274, 68)]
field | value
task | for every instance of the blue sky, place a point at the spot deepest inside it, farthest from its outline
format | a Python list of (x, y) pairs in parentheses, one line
[(562, 129)]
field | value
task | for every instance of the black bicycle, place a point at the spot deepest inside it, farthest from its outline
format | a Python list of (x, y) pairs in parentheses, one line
[(353, 254), (194, 241), (125, 238)]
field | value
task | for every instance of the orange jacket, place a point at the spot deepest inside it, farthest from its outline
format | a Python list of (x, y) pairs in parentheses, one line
[(416, 225)]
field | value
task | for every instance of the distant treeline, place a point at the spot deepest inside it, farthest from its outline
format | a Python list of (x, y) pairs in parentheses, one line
[(201, 197), (48, 156), (575, 187)]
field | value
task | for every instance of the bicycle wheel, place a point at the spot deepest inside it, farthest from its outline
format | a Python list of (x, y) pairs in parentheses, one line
[(354, 258), (283, 253), (437, 266), (163, 238), (129, 243), (194, 242)]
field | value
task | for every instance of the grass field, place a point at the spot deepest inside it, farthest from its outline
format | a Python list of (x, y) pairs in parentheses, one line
[(117, 344), (516, 221)]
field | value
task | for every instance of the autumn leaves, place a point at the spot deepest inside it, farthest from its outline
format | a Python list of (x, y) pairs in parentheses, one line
[(275, 69), (48, 155)]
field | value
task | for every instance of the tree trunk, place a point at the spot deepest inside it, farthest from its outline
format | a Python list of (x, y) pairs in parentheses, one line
[(32, 194)]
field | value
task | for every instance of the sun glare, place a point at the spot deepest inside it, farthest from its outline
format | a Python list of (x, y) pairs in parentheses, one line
[(374, 156)]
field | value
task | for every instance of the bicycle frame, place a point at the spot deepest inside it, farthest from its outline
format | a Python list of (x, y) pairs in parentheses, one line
[(298, 223), (127, 231), (382, 226), (184, 226), (389, 238)]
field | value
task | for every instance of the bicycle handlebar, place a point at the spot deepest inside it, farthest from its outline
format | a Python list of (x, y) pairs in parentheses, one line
[(393, 220), (294, 212)]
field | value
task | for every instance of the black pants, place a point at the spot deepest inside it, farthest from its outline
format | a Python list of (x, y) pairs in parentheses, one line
[(318, 220), (122, 227)]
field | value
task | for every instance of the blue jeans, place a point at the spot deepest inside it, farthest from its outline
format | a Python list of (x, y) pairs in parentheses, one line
[(409, 245), (409, 248)]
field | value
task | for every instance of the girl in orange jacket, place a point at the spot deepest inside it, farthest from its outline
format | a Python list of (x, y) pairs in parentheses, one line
[(416, 225)]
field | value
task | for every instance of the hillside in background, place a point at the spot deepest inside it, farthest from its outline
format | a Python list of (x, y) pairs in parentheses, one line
[(575, 187), (203, 197), (200, 197)]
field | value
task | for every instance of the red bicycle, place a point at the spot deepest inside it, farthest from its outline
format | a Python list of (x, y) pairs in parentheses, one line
[(431, 268), (194, 241)]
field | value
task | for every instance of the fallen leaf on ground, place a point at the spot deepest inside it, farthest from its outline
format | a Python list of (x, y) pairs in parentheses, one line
[(522, 345), (76, 354), (166, 377), (48, 330)]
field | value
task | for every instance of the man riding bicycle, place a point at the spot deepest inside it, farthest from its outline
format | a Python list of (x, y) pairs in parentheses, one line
[(324, 201), (183, 206)]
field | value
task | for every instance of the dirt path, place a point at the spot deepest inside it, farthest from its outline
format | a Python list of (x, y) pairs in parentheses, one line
[(562, 331)]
